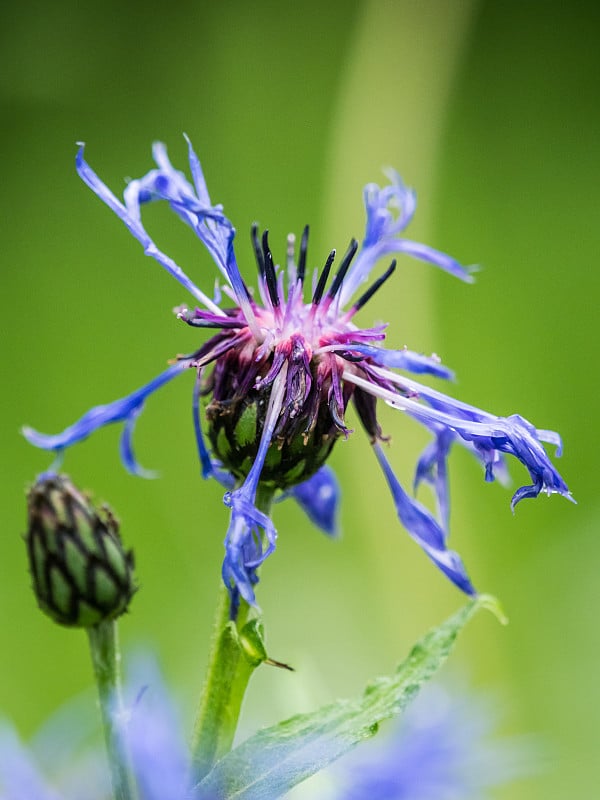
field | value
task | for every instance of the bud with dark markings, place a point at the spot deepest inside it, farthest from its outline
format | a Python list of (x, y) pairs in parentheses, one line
[(80, 572)]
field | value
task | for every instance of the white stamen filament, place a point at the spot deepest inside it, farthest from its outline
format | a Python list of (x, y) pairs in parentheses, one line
[(483, 429), (271, 418)]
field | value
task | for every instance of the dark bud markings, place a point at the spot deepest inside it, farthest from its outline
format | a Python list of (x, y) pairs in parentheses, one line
[(80, 572)]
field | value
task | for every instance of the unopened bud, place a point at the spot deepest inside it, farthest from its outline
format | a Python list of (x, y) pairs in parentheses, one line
[(80, 572)]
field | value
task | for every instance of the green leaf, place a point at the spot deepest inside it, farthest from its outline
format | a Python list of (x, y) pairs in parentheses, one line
[(270, 763)]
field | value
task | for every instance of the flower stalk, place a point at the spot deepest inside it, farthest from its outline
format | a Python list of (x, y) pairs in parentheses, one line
[(230, 665), (104, 648)]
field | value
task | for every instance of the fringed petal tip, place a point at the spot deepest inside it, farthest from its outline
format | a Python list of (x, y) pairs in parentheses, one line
[(126, 409), (534, 490), (245, 548), (425, 529)]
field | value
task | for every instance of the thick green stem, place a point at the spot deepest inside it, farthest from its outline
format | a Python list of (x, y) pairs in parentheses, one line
[(105, 659), (229, 669), (226, 680)]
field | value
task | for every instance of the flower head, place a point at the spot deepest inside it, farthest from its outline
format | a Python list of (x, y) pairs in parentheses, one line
[(285, 363)]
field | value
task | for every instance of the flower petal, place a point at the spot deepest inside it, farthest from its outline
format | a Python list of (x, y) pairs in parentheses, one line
[(424, 529), (153, 735), (135, 227), (487, 434), (319, 498), (251, 535), (389, 210), (127, 408), (19, 777), (400, 359)]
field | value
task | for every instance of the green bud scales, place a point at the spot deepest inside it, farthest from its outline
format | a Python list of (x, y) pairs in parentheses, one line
[(235, 430), (80, 572)]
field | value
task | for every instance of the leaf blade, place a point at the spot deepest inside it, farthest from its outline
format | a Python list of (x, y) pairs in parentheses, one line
[(272, 761)]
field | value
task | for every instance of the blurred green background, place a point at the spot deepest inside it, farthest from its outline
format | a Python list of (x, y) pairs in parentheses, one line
[(491, 110)]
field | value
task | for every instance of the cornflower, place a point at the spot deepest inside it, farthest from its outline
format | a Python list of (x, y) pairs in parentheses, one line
[(285, 364), (445, 747)]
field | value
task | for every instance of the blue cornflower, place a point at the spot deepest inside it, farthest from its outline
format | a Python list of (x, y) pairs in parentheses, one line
[(442, 748), (62, 763), (284, 365)]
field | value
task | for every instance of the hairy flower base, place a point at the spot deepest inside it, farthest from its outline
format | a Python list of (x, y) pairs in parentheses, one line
[(284, 365)]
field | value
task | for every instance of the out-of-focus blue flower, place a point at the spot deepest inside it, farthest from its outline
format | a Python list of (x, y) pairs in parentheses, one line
[(443, 748), (153, 732), (62, 762), (286, 362), (65, 760)]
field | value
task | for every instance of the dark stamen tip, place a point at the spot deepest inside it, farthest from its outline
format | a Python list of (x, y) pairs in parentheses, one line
[(258, 253), (341, 273), (323, 278), (270, 275), (376, 285), (302, 255)]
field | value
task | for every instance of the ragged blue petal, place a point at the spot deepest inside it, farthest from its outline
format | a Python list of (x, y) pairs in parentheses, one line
[(432, 468), (488, 435), (404, 359), (209, 223), (249, 541), (389, 210), (319, 498), (424, 529), (211, 468), (126, 409), (126, 447), (131, 218)]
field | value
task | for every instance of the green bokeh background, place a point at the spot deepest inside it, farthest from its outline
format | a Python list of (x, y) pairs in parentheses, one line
[(491, 110)]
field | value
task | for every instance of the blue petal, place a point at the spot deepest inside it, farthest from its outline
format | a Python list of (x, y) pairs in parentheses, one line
[(369, 257), (19, 777), (125, 409), (133, 223), (424, 529), (211, 468), (209, 223), (404, 359), (488, 435), (153, 734), (389, 210), (197, 174), (381, 221), (251, 535), (319, 498), (245, 548), (432, 467)]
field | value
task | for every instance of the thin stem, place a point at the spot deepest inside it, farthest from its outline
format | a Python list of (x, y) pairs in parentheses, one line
[(227, 675), (104, 648)]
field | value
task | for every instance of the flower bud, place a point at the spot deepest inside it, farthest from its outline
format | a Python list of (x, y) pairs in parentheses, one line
[(80, 572)]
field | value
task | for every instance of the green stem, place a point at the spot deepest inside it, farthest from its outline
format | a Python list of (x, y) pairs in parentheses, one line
[(226, 679), (228, 672), (104, 648)]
